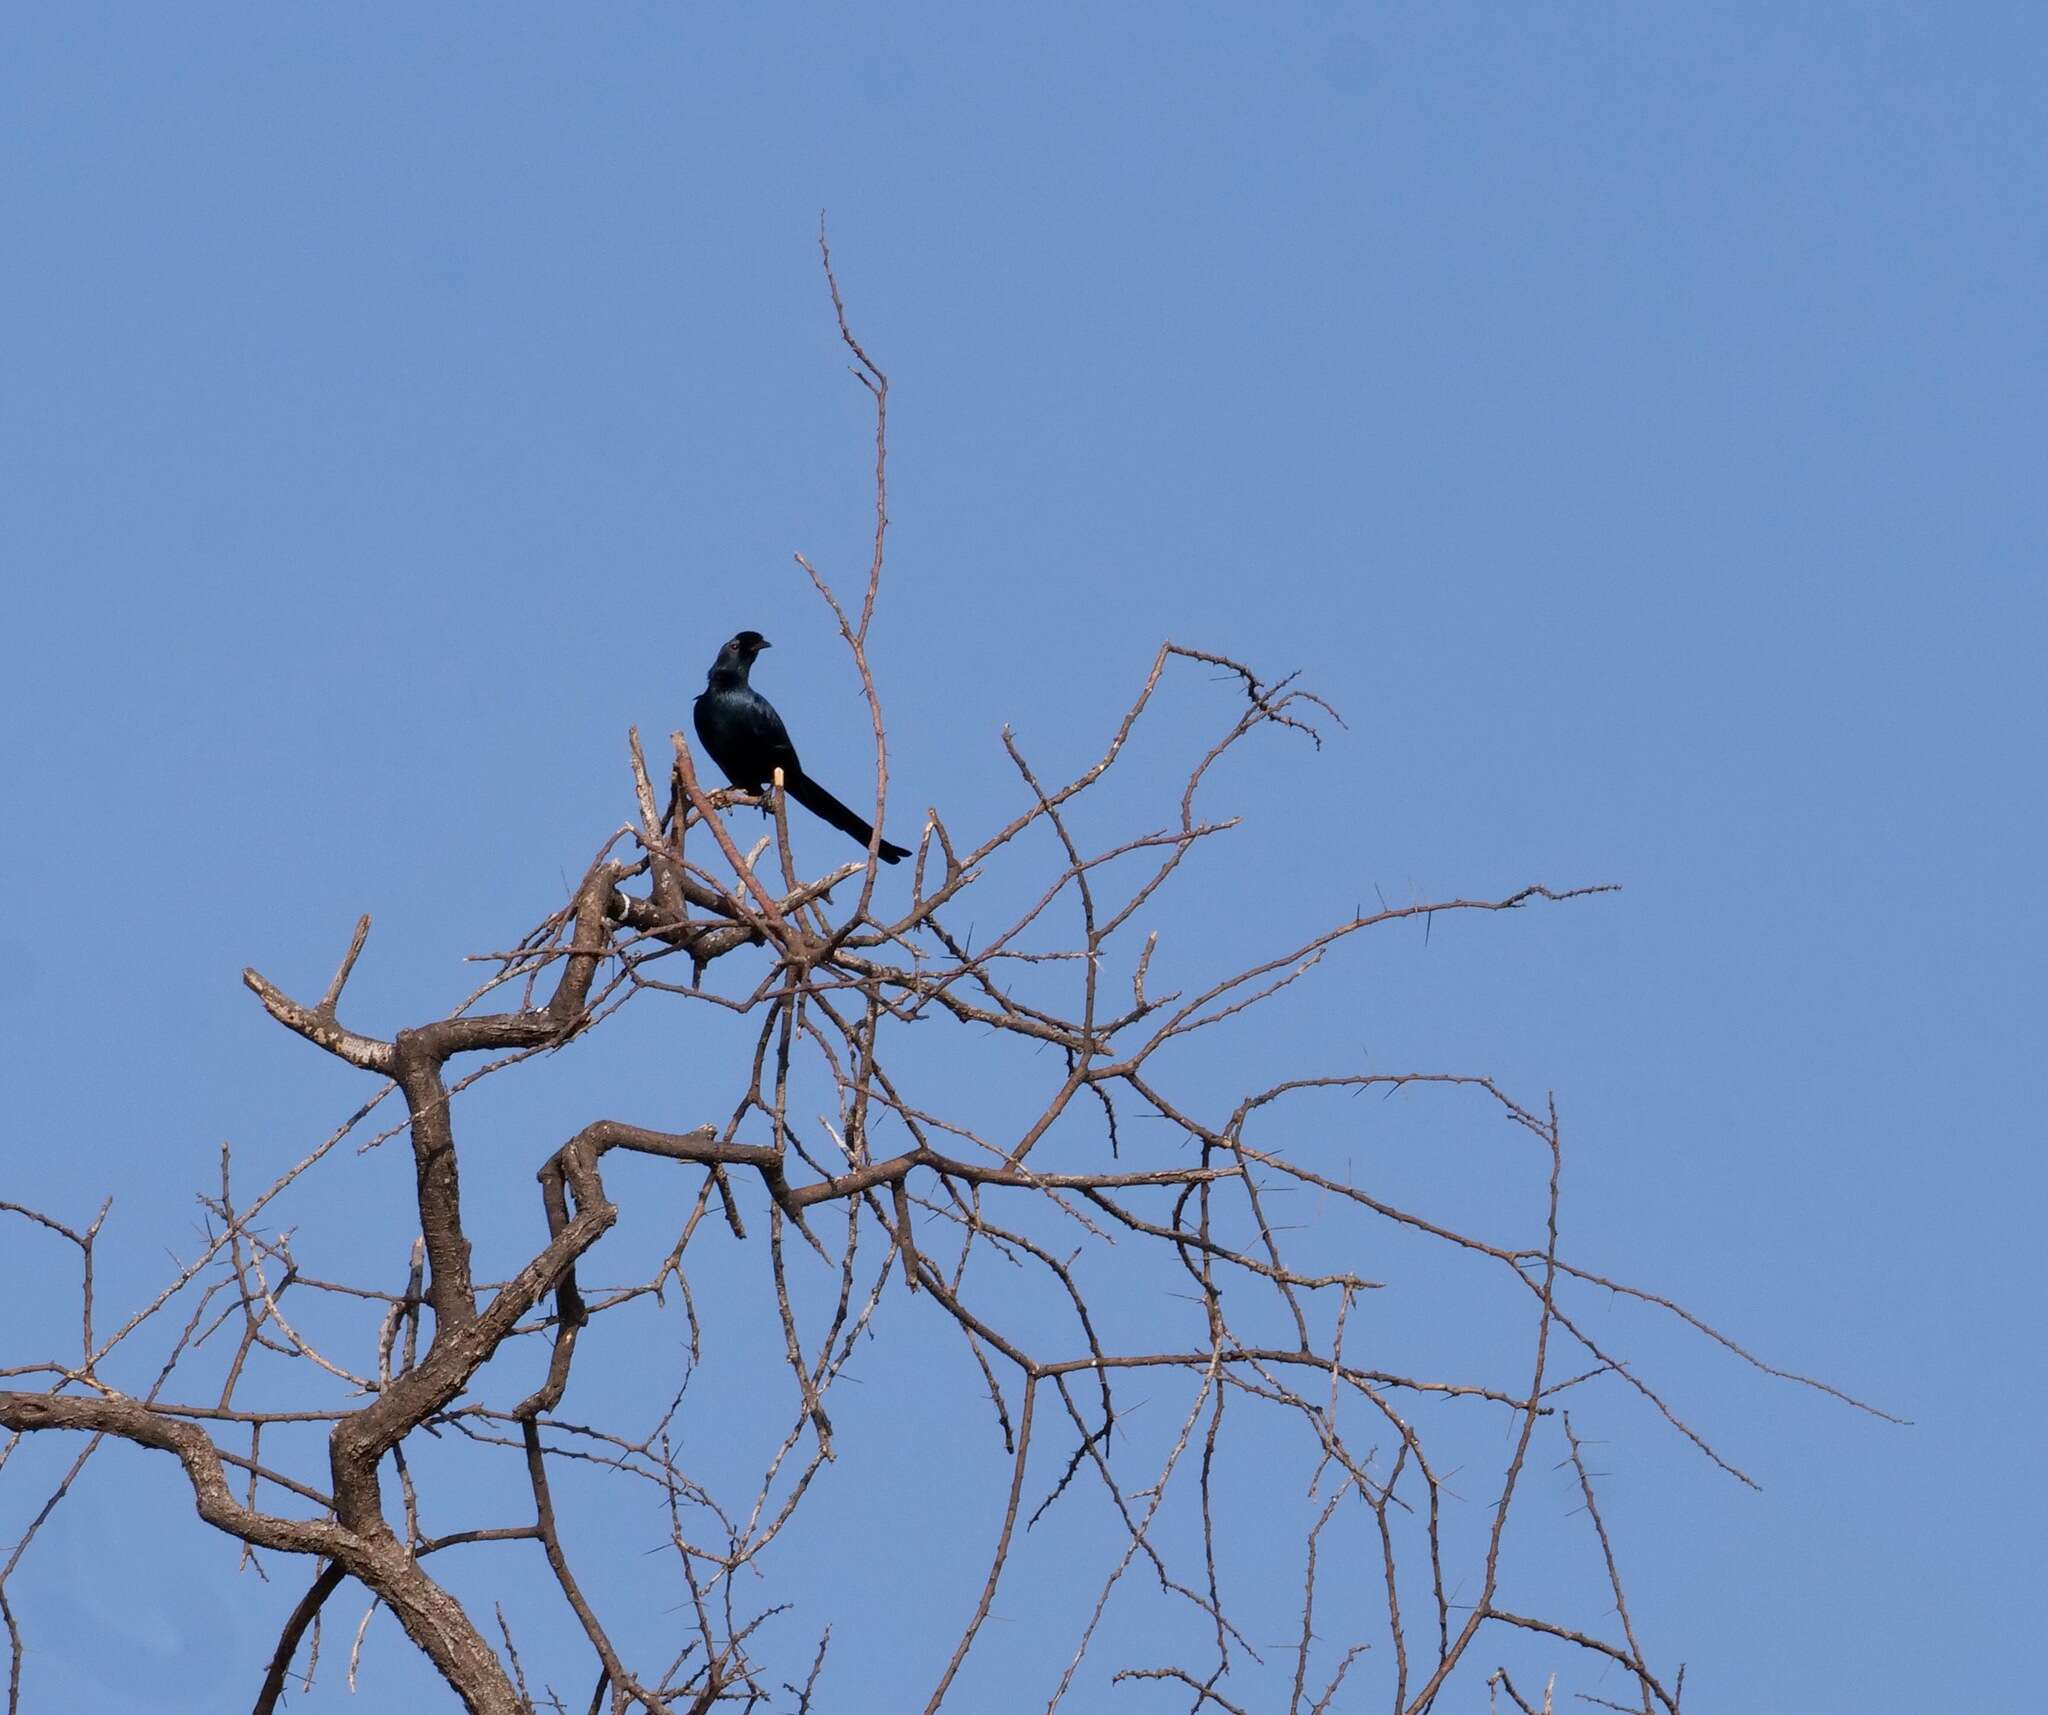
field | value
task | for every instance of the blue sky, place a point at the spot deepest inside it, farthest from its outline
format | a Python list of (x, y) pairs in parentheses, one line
[(1630, 419)]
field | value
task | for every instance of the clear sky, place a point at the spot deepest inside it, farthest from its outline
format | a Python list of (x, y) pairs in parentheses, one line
[(1630, 417)]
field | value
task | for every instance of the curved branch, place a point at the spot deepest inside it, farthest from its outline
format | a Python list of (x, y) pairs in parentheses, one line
[(329, 1580)]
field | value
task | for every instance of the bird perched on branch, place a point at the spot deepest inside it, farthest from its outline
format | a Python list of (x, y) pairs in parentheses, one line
[(746, 738)]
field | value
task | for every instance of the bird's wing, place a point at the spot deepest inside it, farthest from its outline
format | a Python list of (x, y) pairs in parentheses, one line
[(765, 729)]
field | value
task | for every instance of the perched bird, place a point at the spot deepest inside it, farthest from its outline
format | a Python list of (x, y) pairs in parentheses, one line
[(746, 738)]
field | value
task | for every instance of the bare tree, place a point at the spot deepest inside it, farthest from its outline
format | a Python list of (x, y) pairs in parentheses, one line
[(1112, 1229)]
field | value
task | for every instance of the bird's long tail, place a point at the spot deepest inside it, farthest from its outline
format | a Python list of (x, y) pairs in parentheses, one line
[(827, 808)]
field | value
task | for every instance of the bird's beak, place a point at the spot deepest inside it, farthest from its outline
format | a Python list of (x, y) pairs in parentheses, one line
[(765, 644)]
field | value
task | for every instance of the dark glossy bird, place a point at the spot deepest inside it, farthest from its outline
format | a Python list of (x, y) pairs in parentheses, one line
[(746, 738)]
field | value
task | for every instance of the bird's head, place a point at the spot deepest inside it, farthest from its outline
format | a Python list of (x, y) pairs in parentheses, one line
[(736, 658), (747, 644)]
